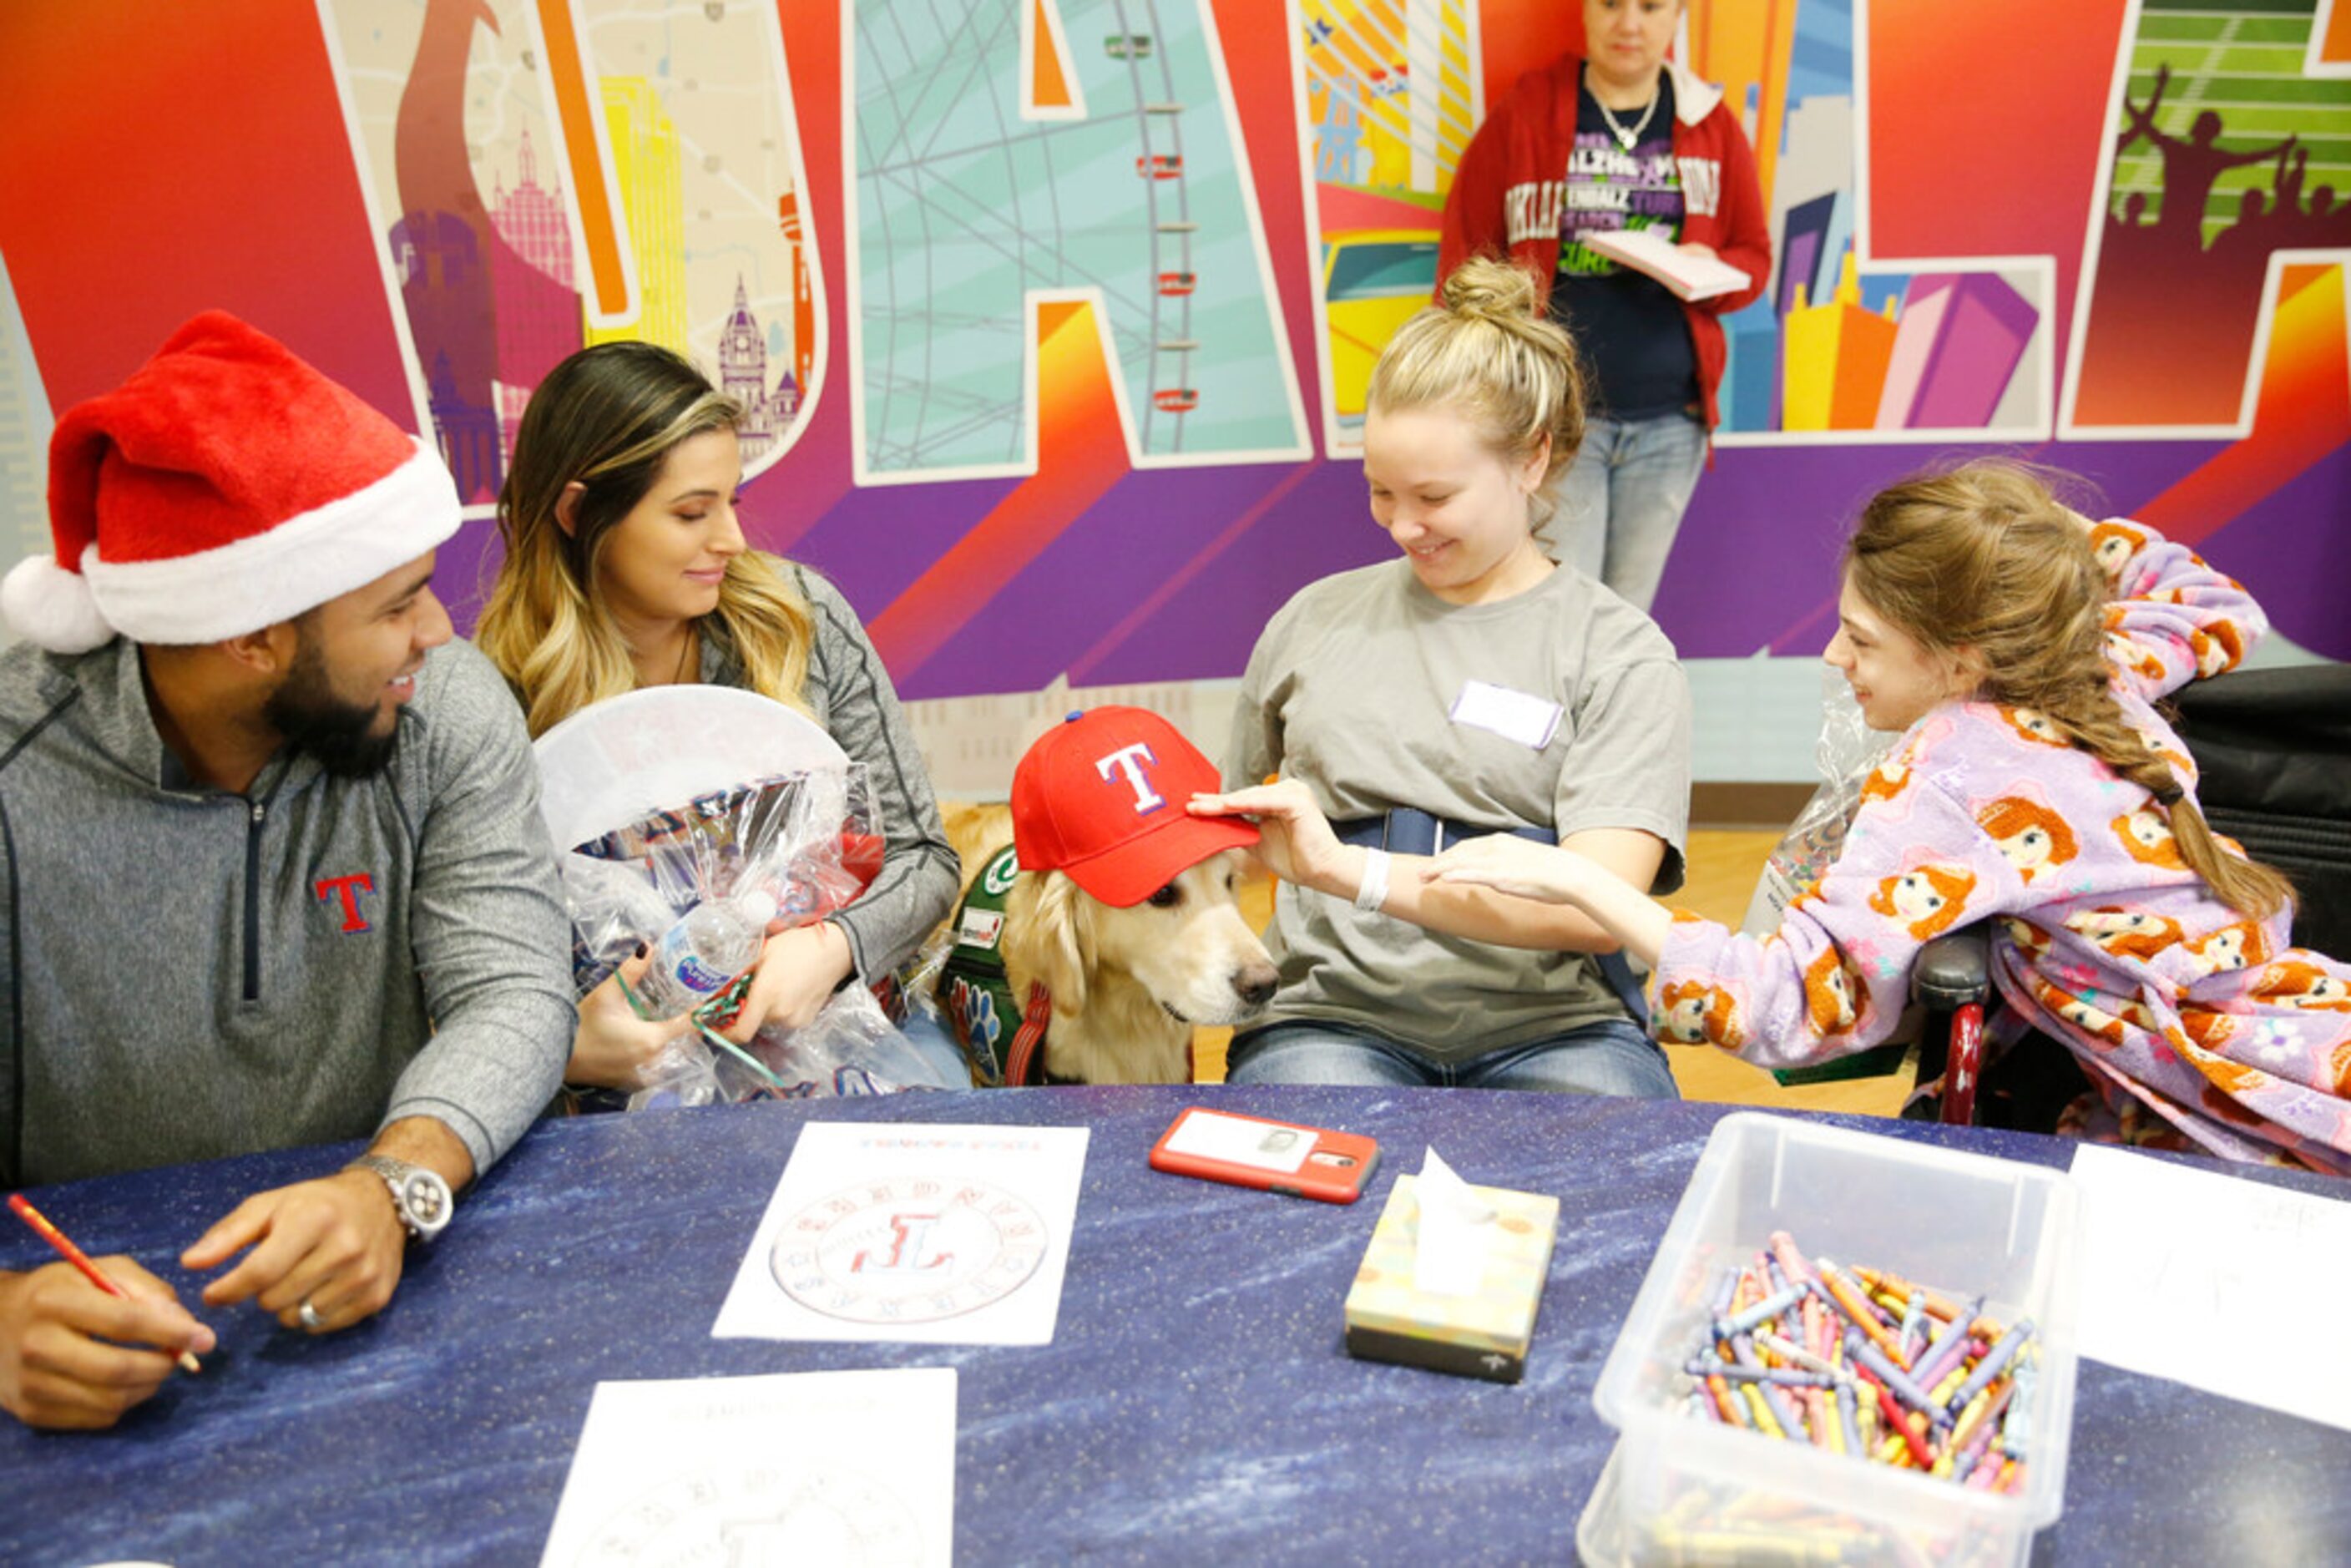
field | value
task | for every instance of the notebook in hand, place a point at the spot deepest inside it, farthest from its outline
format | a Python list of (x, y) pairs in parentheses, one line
[(1689, 276)]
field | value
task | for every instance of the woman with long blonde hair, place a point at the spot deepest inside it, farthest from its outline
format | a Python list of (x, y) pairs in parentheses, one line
[(2021, 649), (626, 567)]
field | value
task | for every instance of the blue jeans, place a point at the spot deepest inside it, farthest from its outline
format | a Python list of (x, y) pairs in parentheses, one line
[(1622, 501), (935, 1045), (1612, 1056)]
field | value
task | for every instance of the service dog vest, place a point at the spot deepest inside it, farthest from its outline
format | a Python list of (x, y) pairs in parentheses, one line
[(1004, 1039)]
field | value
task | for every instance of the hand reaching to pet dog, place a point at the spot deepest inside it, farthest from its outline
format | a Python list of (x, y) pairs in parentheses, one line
[(1294, 839)]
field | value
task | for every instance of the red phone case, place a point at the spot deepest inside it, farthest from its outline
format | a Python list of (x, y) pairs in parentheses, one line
[(1276, 1157)]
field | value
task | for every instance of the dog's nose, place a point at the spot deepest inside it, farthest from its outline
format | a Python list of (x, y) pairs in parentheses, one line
[(1255, 984)]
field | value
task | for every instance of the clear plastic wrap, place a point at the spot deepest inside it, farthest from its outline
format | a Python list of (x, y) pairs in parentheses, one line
[(686, 1073), (1846, 751), (850, 1048), (613, 910), (811, 839), (919, 979)]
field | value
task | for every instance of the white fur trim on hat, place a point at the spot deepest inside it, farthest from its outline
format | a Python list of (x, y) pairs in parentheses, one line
[(298, 565), (49, 606)]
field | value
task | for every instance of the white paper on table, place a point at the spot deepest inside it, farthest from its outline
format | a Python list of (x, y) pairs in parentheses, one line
[(1454, 1232), (913, 1233), (2232, 1286), (812, 1467)]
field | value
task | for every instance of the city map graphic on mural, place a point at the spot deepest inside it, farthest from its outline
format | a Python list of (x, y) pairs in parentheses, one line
[(551, 175)]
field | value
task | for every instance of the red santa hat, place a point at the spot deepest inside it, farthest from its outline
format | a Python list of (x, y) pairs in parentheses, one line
[(226, 486)]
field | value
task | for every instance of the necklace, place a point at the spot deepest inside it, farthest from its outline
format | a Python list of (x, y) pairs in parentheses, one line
[(685, 656), (1625, 138)]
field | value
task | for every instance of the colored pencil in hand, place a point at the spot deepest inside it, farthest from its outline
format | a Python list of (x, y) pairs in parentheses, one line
[(81, 1260)]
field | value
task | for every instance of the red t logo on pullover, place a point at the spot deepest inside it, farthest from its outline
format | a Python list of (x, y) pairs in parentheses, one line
[(349, 889)]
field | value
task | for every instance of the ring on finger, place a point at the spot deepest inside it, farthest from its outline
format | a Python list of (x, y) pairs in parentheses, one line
[(309, 1316)]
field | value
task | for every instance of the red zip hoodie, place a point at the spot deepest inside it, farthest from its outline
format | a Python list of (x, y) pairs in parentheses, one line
[(1507, 193)]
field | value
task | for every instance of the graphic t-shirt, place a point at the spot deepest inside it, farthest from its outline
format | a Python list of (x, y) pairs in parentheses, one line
[(1630, 327)]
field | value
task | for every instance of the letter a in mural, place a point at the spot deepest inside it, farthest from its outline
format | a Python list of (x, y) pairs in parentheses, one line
[(1007, 153), (546, 175), (2228, 168)]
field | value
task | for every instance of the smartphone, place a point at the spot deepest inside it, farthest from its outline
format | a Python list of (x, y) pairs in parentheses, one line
[(1278, 1156)]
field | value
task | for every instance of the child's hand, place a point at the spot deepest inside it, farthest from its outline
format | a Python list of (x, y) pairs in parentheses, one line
[(1508, 864)]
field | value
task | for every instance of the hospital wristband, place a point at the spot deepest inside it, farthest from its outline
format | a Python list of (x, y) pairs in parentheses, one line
[(1372, 890)]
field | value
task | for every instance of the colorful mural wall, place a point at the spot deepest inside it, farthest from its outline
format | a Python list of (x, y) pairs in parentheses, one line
[(1054, 316)]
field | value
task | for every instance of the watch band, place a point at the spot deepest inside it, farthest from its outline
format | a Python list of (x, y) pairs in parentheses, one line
[(419, 1196)]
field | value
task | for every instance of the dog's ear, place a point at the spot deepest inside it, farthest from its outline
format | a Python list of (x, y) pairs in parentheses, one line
[(1052, 936)]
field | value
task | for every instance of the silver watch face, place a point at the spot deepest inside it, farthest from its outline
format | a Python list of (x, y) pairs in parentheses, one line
[(425, 1198), (420, 1195)]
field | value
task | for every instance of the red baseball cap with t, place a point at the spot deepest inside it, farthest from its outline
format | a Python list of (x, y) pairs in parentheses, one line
[(1101, 796)]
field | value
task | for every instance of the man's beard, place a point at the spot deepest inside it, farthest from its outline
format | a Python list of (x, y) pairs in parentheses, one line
[(310, 719)]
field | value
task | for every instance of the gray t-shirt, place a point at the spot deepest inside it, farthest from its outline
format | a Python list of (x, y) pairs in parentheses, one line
[(1351, 690)]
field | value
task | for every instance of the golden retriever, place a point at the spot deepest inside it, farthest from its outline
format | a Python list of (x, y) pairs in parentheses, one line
[(1128, 985)]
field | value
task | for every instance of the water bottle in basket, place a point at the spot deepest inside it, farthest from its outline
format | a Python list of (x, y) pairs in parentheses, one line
[(697, 957)]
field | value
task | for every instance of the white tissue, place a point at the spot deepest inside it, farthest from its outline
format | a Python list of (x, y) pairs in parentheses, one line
[(1456, 1231)]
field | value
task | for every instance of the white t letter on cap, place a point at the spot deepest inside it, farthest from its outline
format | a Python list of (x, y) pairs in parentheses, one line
[(1128, 760)]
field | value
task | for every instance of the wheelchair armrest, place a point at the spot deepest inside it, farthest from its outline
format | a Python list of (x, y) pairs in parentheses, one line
[(1954, 969)]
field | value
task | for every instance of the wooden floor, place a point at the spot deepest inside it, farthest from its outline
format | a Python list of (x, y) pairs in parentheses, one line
[(1723, 867)]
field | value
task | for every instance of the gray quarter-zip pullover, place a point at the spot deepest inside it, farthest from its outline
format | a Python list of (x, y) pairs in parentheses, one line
[(186, 973)]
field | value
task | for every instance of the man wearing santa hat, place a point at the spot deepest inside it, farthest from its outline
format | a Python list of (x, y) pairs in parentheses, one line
[(272, 870)]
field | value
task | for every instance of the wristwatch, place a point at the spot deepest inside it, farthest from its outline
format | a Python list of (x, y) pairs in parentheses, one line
[(421, 1198)]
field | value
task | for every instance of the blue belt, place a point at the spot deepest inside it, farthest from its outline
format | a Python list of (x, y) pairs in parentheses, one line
[(1407, 831)]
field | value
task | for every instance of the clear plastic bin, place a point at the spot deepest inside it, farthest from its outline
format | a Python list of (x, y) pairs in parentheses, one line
[(1693, 1492)]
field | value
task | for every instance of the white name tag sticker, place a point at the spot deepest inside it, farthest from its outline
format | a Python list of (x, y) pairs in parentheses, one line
[(1514, 716)]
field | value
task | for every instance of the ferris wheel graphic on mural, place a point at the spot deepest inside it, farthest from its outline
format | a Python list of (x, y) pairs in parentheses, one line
[(1012, 161)]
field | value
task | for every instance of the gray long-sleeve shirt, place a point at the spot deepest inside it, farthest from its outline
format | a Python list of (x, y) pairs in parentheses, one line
[(850, 694), (186, 973)]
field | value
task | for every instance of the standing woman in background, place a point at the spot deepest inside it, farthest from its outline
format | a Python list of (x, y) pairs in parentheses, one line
[(626, 567), (1623, 139)]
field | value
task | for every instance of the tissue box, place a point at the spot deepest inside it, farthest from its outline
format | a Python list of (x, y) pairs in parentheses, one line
[(1483, 1334)]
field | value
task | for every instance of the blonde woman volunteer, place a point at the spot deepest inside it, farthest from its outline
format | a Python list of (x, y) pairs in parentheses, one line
[(1469, 687)]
